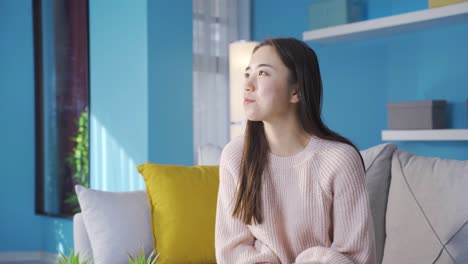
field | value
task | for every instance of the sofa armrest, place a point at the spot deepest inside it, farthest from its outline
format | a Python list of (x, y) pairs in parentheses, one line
[(81, 241)]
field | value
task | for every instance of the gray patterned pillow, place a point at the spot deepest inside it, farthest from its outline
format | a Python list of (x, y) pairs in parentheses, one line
[(378, 161), (427, 212)]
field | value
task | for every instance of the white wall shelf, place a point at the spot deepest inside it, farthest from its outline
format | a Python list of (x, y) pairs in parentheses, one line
[(428, 18), (426, 135)]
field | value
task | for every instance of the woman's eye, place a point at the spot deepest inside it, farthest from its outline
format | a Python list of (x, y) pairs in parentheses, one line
[(262, 73), (246, 75)]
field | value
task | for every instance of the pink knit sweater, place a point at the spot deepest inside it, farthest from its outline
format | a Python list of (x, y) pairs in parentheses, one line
[(315, 209)]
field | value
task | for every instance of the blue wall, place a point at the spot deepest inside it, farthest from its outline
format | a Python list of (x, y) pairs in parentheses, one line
[(20, 228), (360, 77), (141, 105), (17, 129), (170, 82), (57, 235), (119, 93)]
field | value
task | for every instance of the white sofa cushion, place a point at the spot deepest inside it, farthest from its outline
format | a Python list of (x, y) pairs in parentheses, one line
[(209, 154), (377, 161), (427, 212), (118, 223), (81, 242)]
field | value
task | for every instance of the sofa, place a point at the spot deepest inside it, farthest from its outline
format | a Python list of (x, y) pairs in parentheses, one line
[(418, 204)]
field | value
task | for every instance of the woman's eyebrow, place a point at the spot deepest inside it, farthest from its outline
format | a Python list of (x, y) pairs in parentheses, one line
[(260, 65)]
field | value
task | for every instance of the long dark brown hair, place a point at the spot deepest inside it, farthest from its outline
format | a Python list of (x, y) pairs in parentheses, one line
[(304, 71)]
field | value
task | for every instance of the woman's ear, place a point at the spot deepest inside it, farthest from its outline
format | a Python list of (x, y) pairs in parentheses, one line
[(294, 95)]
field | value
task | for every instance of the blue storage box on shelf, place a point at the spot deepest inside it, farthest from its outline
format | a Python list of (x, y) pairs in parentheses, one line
[(327, 13)]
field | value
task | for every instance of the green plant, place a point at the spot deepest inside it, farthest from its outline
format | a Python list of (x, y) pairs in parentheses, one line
[(78, 160), (72, 259), (140, 259)]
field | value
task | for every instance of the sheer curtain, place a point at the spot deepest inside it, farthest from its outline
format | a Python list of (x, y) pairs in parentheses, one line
[(216, 23)]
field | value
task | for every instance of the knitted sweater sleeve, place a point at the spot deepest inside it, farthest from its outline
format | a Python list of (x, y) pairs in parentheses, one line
[(234, 242), (353, 233)]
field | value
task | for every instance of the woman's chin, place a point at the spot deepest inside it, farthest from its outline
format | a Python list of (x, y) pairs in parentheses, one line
[(253, 118)]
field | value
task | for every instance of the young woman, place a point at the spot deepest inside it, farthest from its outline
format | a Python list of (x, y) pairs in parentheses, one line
[(291, 190)]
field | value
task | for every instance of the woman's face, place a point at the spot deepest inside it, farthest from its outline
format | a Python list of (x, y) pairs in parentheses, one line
[(268, 96)]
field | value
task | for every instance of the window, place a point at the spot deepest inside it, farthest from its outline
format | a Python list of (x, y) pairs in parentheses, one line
[(210, 73), (62, 103)]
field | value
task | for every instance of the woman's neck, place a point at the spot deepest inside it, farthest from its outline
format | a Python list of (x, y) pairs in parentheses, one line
[(286, 138)]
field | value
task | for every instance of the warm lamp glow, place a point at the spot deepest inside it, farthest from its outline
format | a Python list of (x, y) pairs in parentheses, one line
[(239, 57)]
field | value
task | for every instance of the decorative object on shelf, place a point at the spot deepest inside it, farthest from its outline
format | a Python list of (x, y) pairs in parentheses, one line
[(327, 13), (239, 57), (439, 3), (428, 114)]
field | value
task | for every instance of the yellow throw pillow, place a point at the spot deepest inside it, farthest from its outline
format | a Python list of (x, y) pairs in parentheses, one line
[(183, 211)]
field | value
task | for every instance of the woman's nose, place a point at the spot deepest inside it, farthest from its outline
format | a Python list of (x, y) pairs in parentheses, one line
[(249, 86)]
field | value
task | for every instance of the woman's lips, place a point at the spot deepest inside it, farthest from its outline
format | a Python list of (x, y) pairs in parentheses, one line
[(248, 101)]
